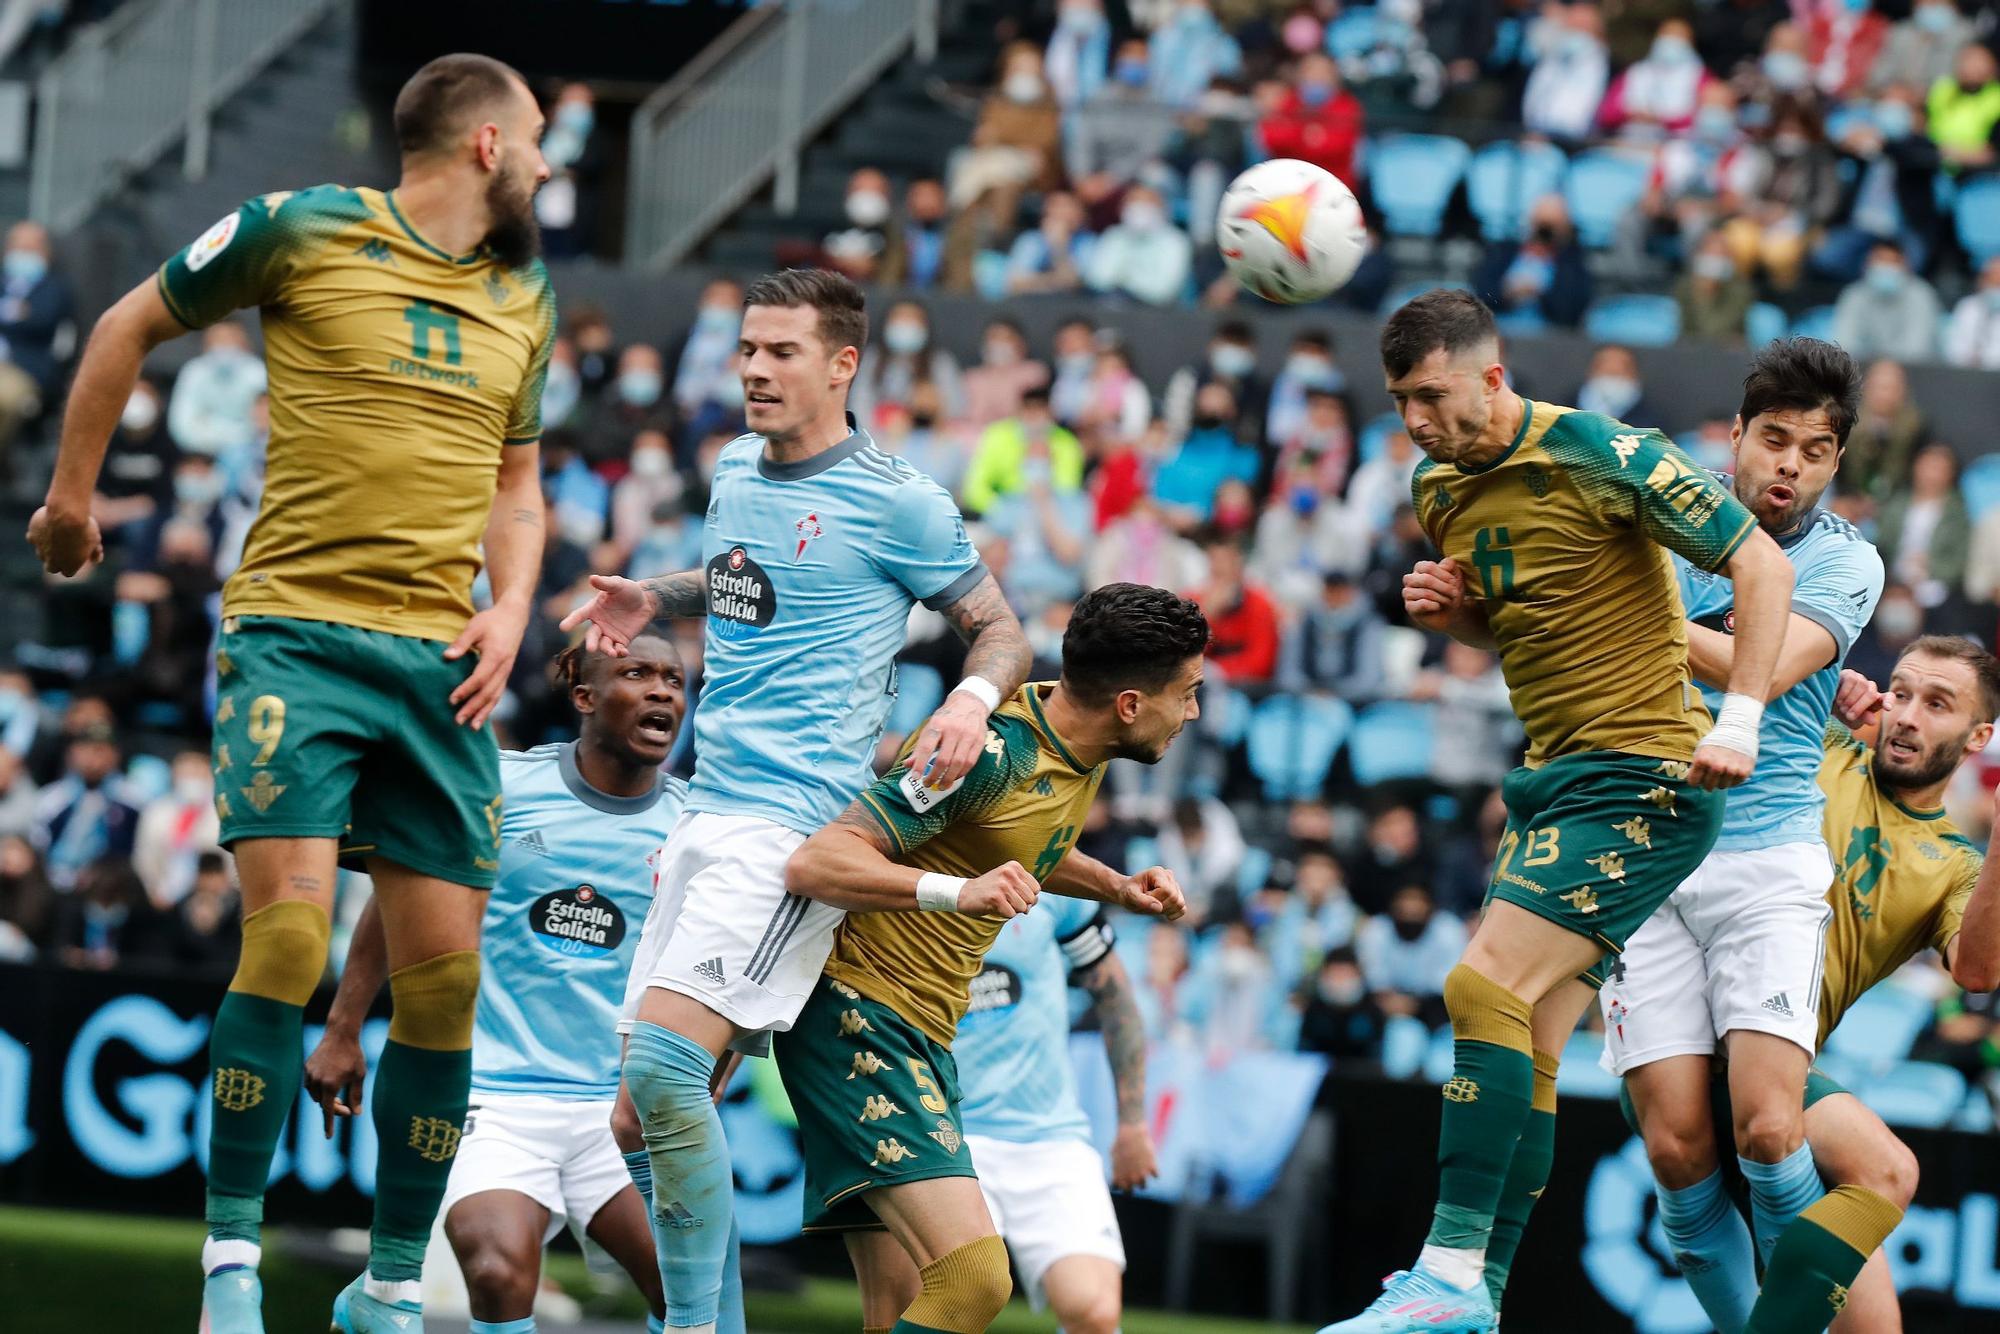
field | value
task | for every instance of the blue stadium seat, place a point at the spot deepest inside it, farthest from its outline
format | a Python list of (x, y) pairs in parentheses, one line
[(1975, 1114), (1602, 187), (1405, 1043), (1504, 178), (1581, 1076), (1915, 1093), (1764, 324), (1412, 176), (1293, 739), (1814, 323), (1977, 209), (1352, 34), (1225, 714), (1391, 740), (1880, 1027), (919, 690), (1255, 870), (1440, 1059), (1375, 436), (1981, 484), (1142, 851), (1638, 320)]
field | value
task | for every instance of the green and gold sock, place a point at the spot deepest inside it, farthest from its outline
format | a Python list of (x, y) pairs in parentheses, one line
[(1818, 1257), (1486, 1104), (421, 1087), (1527, 1175)]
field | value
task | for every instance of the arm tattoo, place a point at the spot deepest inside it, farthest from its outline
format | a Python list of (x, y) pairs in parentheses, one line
[(683, 594), (857, 819), (533, 518), (1124, 1034), (997, 649)]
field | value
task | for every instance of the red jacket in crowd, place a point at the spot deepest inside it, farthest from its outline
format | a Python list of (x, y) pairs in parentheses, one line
[(1326, 135), (1243, 638)]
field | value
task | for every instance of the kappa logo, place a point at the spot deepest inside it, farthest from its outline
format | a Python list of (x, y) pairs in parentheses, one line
[(532, 843), (843, 989), (853, 1022), (867, 1063), (1583, 900), (1625, 446), (1661, 797), (889, 1152), (711, 969), (1780, 1005), (237, 1090), (807, 529), (1043, 787), (878, 1107), (1637, 830), (1611, 865), (377, 251)]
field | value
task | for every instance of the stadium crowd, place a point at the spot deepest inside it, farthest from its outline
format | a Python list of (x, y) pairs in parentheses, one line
[(1335, 812)]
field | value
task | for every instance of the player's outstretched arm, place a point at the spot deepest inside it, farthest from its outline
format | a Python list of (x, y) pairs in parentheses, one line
[(847, 864), (513, 564), (997, 659), (622, 608), (62, 531), (1808, 647), (336, 1069), (1154, 892), (1973, 955), (1763, 582), (1134, 1161)]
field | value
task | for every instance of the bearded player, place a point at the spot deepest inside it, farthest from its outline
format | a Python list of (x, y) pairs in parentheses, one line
[(407, 336), (1555, 526), (930, 879)]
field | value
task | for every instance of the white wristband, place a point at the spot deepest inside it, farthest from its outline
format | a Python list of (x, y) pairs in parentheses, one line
[(980, 689), (1736, 725), (939, 893)]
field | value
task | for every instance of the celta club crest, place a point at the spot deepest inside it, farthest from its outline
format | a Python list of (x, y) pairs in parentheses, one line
[(807, 529)]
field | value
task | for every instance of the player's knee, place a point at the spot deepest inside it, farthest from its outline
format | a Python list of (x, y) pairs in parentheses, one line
[(1770, 1134), (1891, 1171), (497, 1281), (1097, 1312), (434, 1002), (625, 1132), (1681, 1156), (284, 951), (1482, 1010), (966, 1289)]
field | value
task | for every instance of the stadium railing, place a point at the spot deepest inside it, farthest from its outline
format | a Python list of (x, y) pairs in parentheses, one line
[(741, 112), (128, 88)]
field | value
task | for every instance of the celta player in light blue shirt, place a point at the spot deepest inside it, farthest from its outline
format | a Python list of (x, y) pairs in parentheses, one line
[(816, 546)]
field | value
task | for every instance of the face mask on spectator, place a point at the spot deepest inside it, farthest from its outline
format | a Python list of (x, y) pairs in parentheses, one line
[(1131, 72), (1715, 268), (1934, 18), (10, 703), (24, 266), (1315, 92), (1234, 515), (1613, 395), (198, 488), (905, 336), (1884, 278), (560, 393), (1232, 361), (1023, 87), (1310, 369), (1408, 931), (576, 117), (639, 388), (1342, 992), (1076, 365), (1305, 499), (1895, 119), (1238, 963), (923, 421), (141, 411), (867, 208), (1577, 44), (1899, 619), (1715, 125), (1672, 50), (717, 319), (1001, 352), (1787, 70), (193, 789), (1786, 143), (1144, 217), (651, 463)]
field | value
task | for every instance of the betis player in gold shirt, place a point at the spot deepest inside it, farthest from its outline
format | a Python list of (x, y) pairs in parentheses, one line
[(929, 878), (407, 334), (1555, 526)]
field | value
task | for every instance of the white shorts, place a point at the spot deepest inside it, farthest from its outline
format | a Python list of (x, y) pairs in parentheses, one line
[(723, 929), (1739, 946), (558, 1153), (1048, 1201)]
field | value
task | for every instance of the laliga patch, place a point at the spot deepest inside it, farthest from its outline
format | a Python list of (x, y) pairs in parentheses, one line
[(922, 798), (212, 243)]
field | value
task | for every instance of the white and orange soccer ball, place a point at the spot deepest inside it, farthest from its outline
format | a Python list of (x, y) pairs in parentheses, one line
[(1290, 231)]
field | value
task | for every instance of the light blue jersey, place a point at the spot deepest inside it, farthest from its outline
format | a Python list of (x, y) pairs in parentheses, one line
[(812, 570), (577, 873), (1837, 579), (1012, 1046)]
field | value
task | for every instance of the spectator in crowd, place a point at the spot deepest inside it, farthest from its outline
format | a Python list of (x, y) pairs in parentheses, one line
[(1209, 146), (1016, 146), (1890, 312), (1188, 52), (176, 830), (1243, 621), (1233, 995), (1572, 69), (905, 358), (1046, 522), (177, 597), (1119, 132), (858, 249), (1964, 110), (566, 206), (562, 391), (1392, 856), (1965, 1035), (1973, 337), (1395, 71), (1843, 40), (636, 402), (1885, 435), (1231, 360), (1317, 121), (1308, 365), (1321, 441), (1005, 372), (1922, 48), (1074, 363), (578, 497), (1341, 1019), (1336, 647), (18, 796), (27, 902), (596, 350), (1612, 387), (1316, 918), (926, 250), (1024, 451), (210, 410), (1899, 619), (1733, 33), (107, 920), (1465, 864), (1925, 532), (1158, 994), (1477, 737), (1782, 74), (84, 816), (1212, 453), (1381, 485), (135, 490), (37, 314), (1117, 404), (671, 540), (1798, 195), (1657, 96), (1542, 279), (1050, 258), (1078, 53), (706, 383), (1144, 257), (1891, 195), (205, 929), (28, 732), (1142, 547), (918, 434), (1303, 535), (1203, 846), (639, 495), (1406, 952), (1714, 296), (1233, 516)]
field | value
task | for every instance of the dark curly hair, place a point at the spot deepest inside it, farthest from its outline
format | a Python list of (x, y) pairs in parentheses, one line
[(1129, 637), (1802, 374), (572, 666)]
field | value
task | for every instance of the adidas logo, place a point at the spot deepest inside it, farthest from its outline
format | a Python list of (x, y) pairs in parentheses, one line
[(531, 842), (675, 1214), (1779, 1004), (712, 970)]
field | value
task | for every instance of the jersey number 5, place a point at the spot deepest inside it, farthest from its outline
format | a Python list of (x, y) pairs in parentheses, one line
[(928, 1093)]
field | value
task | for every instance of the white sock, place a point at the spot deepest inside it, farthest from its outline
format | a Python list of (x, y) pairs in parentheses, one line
[(1462, 1267), (215, 1254), (384, 1290)]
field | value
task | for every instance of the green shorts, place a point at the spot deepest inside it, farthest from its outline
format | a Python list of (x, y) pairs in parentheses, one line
[(1595, 842), (325, 730), (877, 1103)]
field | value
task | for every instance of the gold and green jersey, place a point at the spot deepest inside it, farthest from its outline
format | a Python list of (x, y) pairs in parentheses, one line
[(1565, 537), (1024, 802), (1901, 878), (398, 373)]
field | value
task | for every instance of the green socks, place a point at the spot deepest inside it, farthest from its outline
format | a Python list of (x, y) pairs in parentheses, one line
[(255, 1054), (1816, 1259), (1527, 1175), (1486, 1103)]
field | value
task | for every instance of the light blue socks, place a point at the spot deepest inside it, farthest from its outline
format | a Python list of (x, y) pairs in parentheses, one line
[(502, 1326), (729, 1310), (1711, 1246), (1779, 1193)]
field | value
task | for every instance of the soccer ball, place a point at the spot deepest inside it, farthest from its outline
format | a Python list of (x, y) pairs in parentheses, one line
[(1289, 231)]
